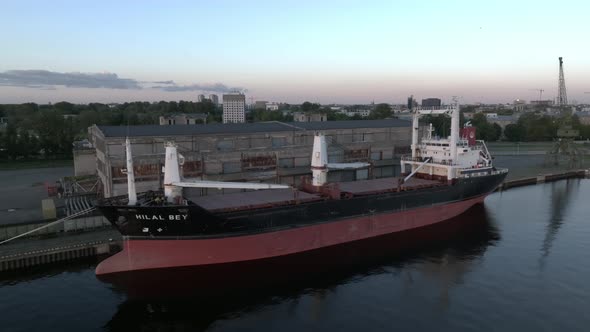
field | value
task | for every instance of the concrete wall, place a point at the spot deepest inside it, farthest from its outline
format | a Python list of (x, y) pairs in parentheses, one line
[(73, 225), (84, 162), (271, 157)]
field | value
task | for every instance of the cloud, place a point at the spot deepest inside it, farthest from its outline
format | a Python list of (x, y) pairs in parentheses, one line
[(45, 78), (49, 80), (217, 87), (164, 82)]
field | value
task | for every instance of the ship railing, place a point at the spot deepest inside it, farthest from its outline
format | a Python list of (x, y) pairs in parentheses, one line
[(484, 173), (410, 158), (142, 198), (423, 159)]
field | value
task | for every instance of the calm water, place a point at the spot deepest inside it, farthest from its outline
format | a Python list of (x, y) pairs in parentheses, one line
[(522, 265)]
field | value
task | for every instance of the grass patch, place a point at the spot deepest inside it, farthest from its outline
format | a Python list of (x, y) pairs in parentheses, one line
[(34, 163)]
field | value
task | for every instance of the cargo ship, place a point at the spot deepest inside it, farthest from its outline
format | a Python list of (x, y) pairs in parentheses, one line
[(168, 232)]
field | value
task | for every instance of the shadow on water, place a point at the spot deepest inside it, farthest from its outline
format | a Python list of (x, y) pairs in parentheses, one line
[(45, 271), (562, 193), (443, 252)]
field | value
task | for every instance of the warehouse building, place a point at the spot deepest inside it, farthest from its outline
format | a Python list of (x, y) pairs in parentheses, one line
[(274, 152)]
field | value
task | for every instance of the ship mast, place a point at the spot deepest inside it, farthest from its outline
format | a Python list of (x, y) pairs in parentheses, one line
[(319, 160), (130, 174), (454, 132), (173, 185), (320, 165), (171, 174)]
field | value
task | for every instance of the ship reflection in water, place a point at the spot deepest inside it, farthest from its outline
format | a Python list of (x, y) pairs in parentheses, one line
[(442, 255), (560, 198)]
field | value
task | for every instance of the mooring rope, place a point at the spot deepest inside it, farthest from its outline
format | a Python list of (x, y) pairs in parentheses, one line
[(77, 214)]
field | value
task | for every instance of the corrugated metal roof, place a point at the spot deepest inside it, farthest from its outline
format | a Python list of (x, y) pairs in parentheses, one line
[(238, 128)]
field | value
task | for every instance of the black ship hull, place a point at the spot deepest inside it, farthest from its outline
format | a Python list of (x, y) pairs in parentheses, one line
[(158, 239), (192, 221)]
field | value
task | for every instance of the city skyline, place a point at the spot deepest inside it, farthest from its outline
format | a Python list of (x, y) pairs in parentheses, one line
[(330, 52)]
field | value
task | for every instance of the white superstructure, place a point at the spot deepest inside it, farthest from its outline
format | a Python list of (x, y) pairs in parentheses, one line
[(445, 158)]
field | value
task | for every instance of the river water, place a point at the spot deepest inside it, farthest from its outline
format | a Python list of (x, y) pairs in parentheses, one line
[(518, 263)]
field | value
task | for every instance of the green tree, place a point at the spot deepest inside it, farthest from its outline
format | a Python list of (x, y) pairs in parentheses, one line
[(2, 145), (65, 107), (336, 116), (440, 123), (11, 142), (514, 132), (538, 127), (24, 143), (381, 111), (264, 115), (497, 131), (485, 130), (310, 107), (50, 129)]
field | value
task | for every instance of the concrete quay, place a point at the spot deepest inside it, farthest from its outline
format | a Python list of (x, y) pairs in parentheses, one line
[(29, 252), (542, 178)]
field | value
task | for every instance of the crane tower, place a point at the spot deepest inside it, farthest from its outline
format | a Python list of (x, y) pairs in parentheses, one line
[(561, 93)]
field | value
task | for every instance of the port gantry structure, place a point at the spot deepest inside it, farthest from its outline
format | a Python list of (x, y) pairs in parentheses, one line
[(561, 91)]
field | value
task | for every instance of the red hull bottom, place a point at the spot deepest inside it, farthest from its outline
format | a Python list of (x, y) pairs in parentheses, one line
[(223, 257)]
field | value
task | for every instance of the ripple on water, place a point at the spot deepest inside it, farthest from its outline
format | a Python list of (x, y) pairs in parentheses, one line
[(522, 267)]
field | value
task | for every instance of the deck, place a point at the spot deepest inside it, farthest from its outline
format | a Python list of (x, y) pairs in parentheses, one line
[(366, 187), (276, 197), (253, 199)]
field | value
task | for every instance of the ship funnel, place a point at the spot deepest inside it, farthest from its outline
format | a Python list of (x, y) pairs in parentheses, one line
[(171, 174), (130, 174), (319, 160)]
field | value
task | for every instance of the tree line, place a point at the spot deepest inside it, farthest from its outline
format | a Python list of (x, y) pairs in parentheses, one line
[(48, 131), (377, 112), (537, 127), (530, 127)]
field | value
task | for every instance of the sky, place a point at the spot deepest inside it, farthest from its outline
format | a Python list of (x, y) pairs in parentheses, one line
[(292, 51)]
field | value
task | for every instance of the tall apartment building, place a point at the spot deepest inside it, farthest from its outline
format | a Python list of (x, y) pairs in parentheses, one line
[(201, 98), (214, 99), (431, 102), (234, 108), (260, 104)]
